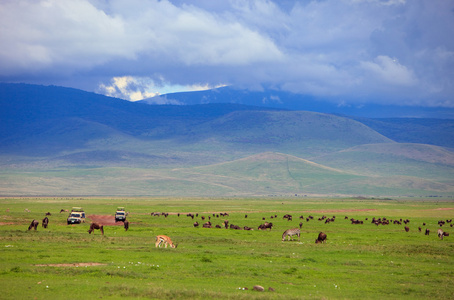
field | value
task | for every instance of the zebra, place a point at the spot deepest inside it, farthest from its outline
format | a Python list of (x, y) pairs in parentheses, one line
[(291, 232)]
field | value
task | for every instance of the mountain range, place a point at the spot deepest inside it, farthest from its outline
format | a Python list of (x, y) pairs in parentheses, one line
[(291, 101), (62, 141)]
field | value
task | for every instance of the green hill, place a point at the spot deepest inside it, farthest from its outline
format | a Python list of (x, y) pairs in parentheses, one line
[(418, 160), (58, 141), (269, 174)]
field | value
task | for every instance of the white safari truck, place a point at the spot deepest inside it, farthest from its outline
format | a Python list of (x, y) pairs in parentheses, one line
[(76, 216), (120, 214)]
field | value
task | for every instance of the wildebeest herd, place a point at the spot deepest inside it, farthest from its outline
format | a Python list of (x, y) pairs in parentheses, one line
[(289, 233)]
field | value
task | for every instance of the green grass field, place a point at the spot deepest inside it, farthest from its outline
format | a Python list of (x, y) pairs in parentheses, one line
[(357, 262)]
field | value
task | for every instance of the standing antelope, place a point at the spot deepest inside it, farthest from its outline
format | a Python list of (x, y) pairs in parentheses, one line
[(164, 239), (291, 232), (94, 226)]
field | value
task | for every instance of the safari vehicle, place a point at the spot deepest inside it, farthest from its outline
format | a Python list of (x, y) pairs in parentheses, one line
[(76, 216), (120, 214)]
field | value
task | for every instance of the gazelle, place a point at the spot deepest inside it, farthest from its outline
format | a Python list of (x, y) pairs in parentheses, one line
[(160, 239), (290, 233)]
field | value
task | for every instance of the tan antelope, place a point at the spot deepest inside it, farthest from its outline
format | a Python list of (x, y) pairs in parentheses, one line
[(442, 233), (160, 239), (94, 226), (290, 233)]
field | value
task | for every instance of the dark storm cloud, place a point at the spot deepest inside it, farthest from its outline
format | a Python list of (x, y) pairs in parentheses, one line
[(354, 50)]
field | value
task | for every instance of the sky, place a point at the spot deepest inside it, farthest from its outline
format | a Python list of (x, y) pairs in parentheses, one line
[(357, 51)]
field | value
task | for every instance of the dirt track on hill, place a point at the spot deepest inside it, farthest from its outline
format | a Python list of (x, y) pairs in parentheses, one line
[(105, 220)]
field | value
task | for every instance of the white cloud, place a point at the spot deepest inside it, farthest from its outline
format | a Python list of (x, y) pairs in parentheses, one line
[(78, 35), (330, 47), (389, 71), (139, 88), (128, 88)]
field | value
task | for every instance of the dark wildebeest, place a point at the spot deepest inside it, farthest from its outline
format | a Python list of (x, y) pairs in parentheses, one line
[(48, 214), (126, 225), (321, 238), (45, 222), (301, 225), (196, 224), (236, 227), (226, 224), (34, 224), (207, 225), (94, 226), (407, 229), (266, 226), (427, 232)]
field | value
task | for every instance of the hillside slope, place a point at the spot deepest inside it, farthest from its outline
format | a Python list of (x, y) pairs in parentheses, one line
[(59, 123), (58, 141), (397, 159), (263, 174)]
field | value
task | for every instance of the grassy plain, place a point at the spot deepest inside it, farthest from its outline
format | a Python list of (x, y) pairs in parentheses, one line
[(357, 262)]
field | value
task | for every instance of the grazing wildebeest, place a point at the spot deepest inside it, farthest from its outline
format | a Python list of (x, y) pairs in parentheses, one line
[(34, 224), (301, 225), (321, 238), (290, 233), (126, 225), (48, 214), (407, 229), (427, 232), (94, 226), (265, 226), (164, 239), (226, 224), (45, 222), (207, 225), (196, 224)]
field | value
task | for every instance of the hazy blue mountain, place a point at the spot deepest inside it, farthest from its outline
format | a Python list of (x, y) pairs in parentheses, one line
[(66, 118), (291, 101), (61, 141)]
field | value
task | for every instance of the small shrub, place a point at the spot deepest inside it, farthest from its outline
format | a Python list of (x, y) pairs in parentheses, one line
[(206, 260)]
